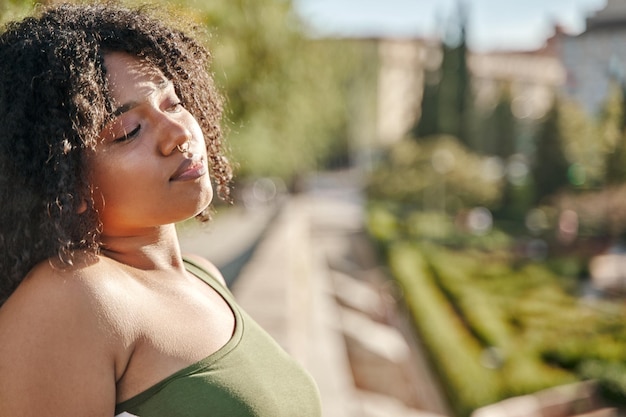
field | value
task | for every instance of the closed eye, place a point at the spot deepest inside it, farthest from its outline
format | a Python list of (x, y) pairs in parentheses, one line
[(130, 135)]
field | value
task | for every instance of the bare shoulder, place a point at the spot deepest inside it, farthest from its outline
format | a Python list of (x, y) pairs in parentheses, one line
[(51, 295), (59, 343), (207, 265), (88, 288)]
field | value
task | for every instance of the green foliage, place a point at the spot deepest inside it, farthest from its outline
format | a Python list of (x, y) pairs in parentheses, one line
[(382, 224), (439, 228), (428, 122), (455, 280), (516, 325), (519, 328), (14, 9), (388, 222), (437, 173), (454, 352), (287, 95), (489, 317), (452, 90), (447, 99), (455, 96), (432, 226), (501, 128), (610, 375), (583, 145), (612, 123), (550, 168)]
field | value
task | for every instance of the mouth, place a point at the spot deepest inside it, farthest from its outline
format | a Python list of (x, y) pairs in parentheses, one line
[(189, 169)]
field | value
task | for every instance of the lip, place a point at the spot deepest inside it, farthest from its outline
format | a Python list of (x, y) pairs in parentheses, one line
[(189, 169)]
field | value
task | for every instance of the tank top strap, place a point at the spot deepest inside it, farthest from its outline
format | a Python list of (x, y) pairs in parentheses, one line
[(200, 272)]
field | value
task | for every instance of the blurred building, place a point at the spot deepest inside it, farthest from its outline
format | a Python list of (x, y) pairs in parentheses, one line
[(580, 66), (403, 63), (594, 57), (532, 78)]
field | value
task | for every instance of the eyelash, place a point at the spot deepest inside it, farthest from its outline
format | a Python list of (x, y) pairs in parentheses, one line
[(129, 135), (176, 107)]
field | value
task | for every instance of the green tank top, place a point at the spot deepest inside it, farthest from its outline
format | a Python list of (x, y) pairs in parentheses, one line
[(250, 376)]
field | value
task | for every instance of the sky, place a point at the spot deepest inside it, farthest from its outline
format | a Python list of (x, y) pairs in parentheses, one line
[(492, 24)]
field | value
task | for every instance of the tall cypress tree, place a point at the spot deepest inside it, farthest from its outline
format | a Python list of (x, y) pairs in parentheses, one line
[(454, 88), (550, 168), (465, 97), (428, 123), (613, 127), (447, 102), (502, 125)]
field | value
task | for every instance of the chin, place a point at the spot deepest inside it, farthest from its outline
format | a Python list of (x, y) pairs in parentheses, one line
[(204, 201)]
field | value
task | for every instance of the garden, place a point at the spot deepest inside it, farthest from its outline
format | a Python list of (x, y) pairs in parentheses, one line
[(489, 224), (492, 257)]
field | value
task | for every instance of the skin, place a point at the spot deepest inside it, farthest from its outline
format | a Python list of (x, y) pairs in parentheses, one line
[(76, 341)]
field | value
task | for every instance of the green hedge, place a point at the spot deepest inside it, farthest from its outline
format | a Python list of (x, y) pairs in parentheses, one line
[(487, 344), (454, 351), (496, 325)]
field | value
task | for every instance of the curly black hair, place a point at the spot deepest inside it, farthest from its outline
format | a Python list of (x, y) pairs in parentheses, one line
[(54, 101)]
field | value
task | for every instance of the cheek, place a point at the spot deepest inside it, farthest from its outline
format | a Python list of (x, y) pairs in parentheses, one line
[(113, 181)]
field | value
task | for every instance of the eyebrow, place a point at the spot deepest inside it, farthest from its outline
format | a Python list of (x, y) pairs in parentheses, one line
[(124, 108), (161, 86)]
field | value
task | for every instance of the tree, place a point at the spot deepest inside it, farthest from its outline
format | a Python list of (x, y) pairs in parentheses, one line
[(550, 167), (14, 9), (454, 88), (447, 100), (428, 123), (584, 145), (287, 94), (500, 128), (500, 140), (612, 126)]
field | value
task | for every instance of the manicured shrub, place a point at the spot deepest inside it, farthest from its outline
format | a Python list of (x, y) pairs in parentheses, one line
[(494, 331), (455, 353)]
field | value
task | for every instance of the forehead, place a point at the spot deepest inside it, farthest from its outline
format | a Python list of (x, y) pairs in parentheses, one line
[(131, 78)]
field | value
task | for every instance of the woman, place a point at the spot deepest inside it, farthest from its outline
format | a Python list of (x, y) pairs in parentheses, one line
[(110, 127)]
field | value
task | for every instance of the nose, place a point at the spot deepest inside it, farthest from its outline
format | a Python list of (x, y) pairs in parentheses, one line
[(174, 133)]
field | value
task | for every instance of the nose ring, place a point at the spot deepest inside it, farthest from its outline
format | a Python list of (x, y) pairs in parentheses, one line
[(184, 148)]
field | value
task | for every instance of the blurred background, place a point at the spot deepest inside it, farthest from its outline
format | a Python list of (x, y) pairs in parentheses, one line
[(430, 203)]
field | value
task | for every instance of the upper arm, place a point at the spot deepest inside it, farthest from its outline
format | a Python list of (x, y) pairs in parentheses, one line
[(54, 357)]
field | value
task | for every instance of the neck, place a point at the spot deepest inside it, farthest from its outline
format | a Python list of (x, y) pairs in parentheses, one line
[(155, 249)]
